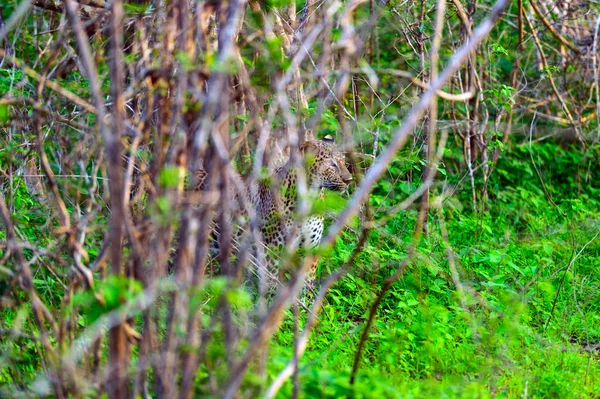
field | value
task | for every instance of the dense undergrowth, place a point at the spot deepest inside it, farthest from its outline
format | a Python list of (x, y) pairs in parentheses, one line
[(500, 297), (526, 322)]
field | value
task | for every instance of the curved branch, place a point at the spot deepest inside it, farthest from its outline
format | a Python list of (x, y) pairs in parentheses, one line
[(58, 5), (553, 85), (551, 28), (462, 14), (416, 81)]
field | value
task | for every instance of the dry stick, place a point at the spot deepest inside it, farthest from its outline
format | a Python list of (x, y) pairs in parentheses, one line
[(389, 282), (379, 167), (451, 257), (164, 377), (415, 195), (298, 95), (574, 257), (4, 41), (295, 357), (281, 86), (551, 28), (267, 327), (416, 81), (399, 139), (565, 121), (132, 233), (251, 96), (135, 306), (90, 69), (42, 110), (363, 34), (472, 109), (217, 81), (66, 372), (112, 143), (549, 198), (64, 217), (225, 237), (216, 86), (57, 6), (302, 343), (220, 154), (178, 304), (513, 82), (520, 12), (596, 75), (273, 318), (553, 85), (118, 356), (433, 112), (50, 84), (417, 234), (190, 359), (43, 318), (462, 13), (295, 159)]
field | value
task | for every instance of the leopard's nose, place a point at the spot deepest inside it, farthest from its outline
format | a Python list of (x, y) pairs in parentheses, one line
[(347, 179)]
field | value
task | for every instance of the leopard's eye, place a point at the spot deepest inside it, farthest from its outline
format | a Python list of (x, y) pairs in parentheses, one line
[(335, 165)]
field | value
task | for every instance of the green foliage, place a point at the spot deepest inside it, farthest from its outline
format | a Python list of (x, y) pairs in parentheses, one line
[(4, 113), (501, 95), (524, 322), (550, 70), (9, 82), (171, 177), (425, 343), (109, 295)]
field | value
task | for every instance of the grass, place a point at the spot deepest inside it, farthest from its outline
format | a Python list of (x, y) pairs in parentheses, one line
[(522, 327), (521, 255)]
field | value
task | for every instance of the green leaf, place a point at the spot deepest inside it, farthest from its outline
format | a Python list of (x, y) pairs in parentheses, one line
[(4, 113), (171, 176)]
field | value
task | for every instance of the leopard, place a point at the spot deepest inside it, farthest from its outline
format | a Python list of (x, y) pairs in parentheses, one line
[(326, 170), (276, 207)]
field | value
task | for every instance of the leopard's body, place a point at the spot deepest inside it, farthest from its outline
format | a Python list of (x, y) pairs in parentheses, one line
[(277, 208), (276, 204)]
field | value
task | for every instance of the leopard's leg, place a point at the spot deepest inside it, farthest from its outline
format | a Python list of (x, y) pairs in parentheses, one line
[(310, 288), (312, 231)]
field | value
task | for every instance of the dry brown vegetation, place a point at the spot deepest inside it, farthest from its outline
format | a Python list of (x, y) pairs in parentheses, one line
[(111, 267)]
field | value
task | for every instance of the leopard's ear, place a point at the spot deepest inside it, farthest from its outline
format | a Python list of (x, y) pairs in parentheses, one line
[(328, 139), (309, 147)]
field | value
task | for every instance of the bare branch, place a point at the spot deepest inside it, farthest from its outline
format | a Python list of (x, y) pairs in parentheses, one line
[(401, 135)]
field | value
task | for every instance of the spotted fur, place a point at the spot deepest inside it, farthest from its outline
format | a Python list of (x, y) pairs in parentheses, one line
[(275, 201), (326, 171)]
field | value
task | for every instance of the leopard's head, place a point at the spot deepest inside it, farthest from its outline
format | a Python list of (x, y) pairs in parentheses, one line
[(327, 166)]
